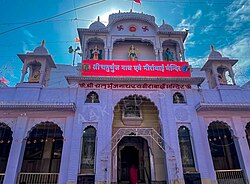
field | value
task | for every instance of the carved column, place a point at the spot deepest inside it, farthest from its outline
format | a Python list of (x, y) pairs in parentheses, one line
[(156, 55), (66, 150), (16, 151), (110, 53), (160, 54), (106, 53)]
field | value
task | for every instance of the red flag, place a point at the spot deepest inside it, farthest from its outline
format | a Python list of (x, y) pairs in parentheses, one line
[(3, 80), (77, 39), (137, 1)]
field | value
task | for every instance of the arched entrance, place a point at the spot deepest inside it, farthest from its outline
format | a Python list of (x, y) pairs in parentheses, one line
[(136, 140), (42, 154), (133, 150)]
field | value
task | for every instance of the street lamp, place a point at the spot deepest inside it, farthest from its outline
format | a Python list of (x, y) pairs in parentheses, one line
[(71, 50)]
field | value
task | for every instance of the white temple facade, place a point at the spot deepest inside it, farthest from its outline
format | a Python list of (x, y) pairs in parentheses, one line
[(134, 101)]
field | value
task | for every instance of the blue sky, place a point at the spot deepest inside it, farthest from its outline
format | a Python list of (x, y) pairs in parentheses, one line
[(223, 23)]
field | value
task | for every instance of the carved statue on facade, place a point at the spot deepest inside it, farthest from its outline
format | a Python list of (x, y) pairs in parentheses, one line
[(35, 77), (96, 53), (222, 79), (132, 53), (169, 55)]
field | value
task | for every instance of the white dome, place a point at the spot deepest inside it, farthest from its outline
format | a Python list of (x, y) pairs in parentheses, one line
[(97, 25), (166, 27), (41, 50)]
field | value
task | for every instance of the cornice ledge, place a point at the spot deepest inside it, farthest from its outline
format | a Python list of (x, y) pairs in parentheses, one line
[(38, 106), (222, 106), (181, 80)]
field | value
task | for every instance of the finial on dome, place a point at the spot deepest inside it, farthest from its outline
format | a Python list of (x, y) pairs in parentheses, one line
[(119, 11), (131, 10), (163, 21), (98, 18), (43, 42), (212, 47)]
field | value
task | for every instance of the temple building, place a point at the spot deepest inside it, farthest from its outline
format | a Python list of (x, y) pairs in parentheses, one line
[(134, 107)]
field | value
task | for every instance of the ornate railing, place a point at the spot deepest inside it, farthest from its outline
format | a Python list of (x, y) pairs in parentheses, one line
[(38, 178), (1, 177), (230, 176)]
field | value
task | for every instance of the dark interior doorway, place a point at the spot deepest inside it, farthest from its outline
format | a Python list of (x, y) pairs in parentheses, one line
[(133, 150), (129, 157)]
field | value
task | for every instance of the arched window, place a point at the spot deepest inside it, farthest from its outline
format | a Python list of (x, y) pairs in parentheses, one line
[(88, 151), (185, 144), (5, 144), (178, 98), (248, 133), (43, 149), (131, 107), (92, 97), (222, 146)]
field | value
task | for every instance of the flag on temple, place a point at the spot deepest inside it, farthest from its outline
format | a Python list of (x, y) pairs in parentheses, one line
[(137, 1), (77, 39), (3, 80)]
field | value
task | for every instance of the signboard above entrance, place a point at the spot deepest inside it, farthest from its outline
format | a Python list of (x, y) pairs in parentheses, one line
[(135, 68)]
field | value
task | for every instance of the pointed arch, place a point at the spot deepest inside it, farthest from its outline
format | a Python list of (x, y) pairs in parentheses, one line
[(43, 149), (5, 145), (185, 144), (248, 133), (178, 97), (92, 97), (88, 153), (222, 146)]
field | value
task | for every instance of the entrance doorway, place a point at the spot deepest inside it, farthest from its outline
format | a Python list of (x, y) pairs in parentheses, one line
[(133, 151)]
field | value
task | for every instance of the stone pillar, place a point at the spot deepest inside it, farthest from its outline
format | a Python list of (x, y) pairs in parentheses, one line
[(231, 74), (103, 144), (200, 146), (16, 152), (203, 152), (110, 54), (160, 54), (66, 150), (156, 55), (215, 75), (106, 53), (75, 151), (169, 129), (242, 147), (24, 72)]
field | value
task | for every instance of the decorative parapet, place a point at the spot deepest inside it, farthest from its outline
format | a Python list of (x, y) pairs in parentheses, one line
[(38, 106), (223, 106)]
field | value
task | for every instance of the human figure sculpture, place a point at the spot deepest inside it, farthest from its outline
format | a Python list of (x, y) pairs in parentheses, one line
[(169, 55), (96, 53), (35, 76), (132, 54), (222, 80)]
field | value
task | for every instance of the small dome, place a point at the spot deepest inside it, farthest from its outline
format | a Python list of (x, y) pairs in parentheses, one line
[(214, 54), (41, 50), (97, 25), (166, 27)]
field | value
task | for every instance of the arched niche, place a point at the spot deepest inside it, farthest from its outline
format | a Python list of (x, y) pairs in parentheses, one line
[(95, 48), (43, 149), (171, 50), (222, 146), (5, 145), (143, 49)]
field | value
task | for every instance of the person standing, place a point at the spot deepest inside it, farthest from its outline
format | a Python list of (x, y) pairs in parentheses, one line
[(133, 175)]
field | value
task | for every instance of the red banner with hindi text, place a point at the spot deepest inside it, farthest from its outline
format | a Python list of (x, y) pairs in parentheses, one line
[(135, 68)]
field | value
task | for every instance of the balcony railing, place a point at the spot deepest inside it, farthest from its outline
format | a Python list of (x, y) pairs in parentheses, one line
[(230, 176), (38, 178), (1, 177)]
